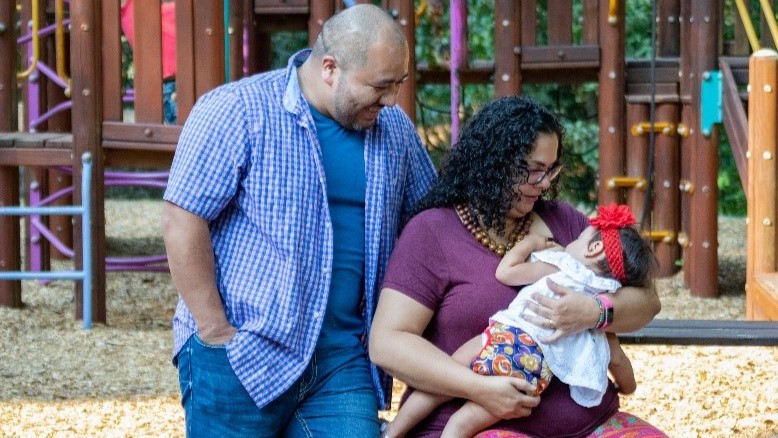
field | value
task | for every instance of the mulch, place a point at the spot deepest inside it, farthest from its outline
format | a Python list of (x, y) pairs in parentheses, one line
[(116, 380)]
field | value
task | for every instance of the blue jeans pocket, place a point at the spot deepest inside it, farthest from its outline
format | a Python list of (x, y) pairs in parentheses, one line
[(202, 343), (215, 401)]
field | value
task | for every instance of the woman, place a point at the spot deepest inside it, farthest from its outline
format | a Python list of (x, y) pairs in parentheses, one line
[(440, 287)]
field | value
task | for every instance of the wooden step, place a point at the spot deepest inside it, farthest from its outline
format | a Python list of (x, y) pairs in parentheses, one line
[(36, 149), (705, 332)]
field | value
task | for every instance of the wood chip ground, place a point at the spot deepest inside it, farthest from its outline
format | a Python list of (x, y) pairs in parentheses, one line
[(116, 380)]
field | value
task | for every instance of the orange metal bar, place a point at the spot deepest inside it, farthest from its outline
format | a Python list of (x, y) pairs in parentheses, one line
[(59, 37), (36, 43)]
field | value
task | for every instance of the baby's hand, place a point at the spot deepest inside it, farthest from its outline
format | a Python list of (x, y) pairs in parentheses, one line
[(538, 242)]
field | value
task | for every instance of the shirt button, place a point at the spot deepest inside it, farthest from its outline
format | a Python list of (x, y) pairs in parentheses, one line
[(326, 270), (316, 315)]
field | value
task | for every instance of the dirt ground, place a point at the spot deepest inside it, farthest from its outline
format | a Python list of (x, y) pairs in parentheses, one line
[(116, 380)]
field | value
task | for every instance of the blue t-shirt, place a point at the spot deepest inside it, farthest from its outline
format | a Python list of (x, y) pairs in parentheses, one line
[(343, 159)]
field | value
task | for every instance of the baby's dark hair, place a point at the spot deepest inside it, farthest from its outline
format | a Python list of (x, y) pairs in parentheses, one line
[(639, 260)]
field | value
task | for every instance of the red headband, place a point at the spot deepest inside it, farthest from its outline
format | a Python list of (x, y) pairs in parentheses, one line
[(610, 219)]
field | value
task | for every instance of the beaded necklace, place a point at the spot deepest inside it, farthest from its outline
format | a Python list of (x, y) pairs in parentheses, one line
[(519, 231)]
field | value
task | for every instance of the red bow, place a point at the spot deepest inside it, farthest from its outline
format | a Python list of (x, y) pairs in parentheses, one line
[(612, 216), (609, 221)]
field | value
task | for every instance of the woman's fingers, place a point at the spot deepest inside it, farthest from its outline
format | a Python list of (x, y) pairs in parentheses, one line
[(561, 314), (506, 397)]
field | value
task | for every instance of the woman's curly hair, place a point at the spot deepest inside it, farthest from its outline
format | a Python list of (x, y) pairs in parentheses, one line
[(486, 164)]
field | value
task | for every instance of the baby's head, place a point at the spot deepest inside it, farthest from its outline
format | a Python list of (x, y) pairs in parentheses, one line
[(613, 247)]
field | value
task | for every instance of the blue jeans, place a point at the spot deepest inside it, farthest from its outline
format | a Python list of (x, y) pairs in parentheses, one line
[(333, 398)]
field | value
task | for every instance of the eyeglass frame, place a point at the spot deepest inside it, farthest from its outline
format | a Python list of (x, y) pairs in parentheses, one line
[(552, 173)]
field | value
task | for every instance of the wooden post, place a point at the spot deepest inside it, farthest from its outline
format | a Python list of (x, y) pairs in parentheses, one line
[(147, 61), (258, 47), (60, 225), (611, 105), (86, 64), (761, 301), (507, 47), (235, 35), (636, 155), (34, 103), (112, 61), (208, 46), (686, 87), (591, 20), (703, 238), (403, 12), (668, 27), (666, 210), (319, 13), (185, 84), (10, 257)]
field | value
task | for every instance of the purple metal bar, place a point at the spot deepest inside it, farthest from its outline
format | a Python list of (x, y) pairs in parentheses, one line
[(138, 175), (33, 91), (116, 268), (46, 31), (139, 183), (62, 106), (51, 74), (111, 175), (143, 263), (140, 260), (46, 233), (36, 223), (52, 197), (36, 250), (458, 55), (129, 95)]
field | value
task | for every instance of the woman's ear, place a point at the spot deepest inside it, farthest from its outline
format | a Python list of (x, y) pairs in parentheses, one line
[(595, 248)]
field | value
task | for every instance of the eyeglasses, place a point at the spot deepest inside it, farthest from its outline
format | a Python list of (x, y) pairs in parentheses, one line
[(536, 176)]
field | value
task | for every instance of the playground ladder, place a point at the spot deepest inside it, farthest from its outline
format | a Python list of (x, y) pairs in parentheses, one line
[(84, 210)]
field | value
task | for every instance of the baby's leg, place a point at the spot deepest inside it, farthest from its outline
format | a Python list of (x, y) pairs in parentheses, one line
[(620, 366), (420, 404), (466, 422)]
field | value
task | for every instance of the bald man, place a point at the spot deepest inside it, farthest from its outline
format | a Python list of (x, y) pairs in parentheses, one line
[(283, 204)]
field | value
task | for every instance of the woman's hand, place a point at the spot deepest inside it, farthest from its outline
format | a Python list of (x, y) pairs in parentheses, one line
[(571, 312), (505, 397)]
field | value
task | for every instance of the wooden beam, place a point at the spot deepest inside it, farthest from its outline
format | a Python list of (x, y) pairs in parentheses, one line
[(86, 65), (611, 103), (735, 120), (10, 257), (761, 300), (705, 332)]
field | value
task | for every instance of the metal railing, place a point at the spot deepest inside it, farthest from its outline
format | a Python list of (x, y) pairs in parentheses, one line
[(85, 274)]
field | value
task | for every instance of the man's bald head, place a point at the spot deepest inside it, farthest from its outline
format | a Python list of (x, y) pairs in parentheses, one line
[(349, 34)]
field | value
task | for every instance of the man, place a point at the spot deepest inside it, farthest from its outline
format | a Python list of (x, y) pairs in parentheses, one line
[(284, 201)]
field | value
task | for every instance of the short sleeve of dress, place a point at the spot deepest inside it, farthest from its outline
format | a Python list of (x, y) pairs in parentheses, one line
[(417, 267)]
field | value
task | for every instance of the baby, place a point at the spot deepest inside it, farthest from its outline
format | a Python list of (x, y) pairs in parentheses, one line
[(607, 255)]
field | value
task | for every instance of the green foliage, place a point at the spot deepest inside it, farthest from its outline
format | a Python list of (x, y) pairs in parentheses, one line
[(285, 44), (638, 25), (732, 199)]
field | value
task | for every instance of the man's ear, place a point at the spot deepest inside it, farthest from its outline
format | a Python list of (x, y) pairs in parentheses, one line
[(595, 248), (328, 68)]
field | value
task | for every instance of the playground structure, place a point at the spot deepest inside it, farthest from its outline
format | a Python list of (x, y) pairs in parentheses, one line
[(659, 119)]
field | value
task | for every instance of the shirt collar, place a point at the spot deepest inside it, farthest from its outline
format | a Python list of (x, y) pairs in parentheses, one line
[(292, 94)]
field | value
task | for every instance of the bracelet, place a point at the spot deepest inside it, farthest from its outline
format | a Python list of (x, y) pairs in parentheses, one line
[(606, 311)]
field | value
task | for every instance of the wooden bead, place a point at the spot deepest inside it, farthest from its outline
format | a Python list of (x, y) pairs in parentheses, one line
[(520, 230)]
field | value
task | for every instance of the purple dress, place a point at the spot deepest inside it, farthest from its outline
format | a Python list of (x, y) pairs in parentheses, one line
[(439, 264)]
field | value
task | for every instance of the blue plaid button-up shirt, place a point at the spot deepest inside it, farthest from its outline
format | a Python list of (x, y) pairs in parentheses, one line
[(248, 162)]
